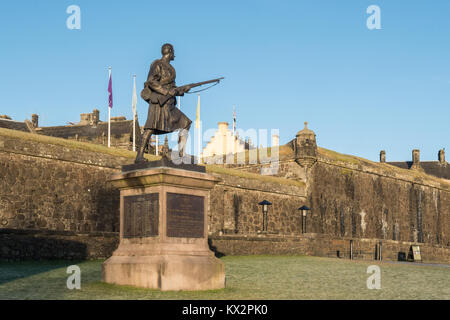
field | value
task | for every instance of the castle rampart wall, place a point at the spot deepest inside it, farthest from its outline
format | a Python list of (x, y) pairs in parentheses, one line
[(55, 202)]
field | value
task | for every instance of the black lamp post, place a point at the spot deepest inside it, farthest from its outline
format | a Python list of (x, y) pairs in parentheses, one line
[(303, 211), (265, 207)]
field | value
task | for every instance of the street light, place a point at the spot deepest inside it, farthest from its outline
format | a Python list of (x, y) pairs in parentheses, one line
[(265, 207), (304, 209)]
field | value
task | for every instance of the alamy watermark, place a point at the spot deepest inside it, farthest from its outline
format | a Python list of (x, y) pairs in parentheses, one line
[(73, 22), (374, 20), (74, 280), (374, 280)]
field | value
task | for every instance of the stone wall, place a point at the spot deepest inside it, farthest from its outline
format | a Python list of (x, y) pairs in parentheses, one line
[(287, 169), (354, 197), (235, 209), (363, 204), (50, 187), (53, 188)]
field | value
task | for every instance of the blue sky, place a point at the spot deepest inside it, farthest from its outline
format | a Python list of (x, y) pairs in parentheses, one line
[(284, 62)]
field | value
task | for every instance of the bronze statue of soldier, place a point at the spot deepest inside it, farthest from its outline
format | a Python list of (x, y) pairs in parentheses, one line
[(160, 92)]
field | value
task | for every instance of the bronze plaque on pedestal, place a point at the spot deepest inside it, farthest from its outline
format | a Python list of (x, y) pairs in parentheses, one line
[(141, 215), (185, 216)]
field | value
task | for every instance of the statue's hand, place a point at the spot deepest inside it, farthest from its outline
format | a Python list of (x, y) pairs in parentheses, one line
[(182, 90), (173, 92)]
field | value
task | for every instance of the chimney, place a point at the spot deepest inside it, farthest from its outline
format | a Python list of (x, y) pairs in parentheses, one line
[(441, 156), (35, 120), (382, 156), (415, 159)]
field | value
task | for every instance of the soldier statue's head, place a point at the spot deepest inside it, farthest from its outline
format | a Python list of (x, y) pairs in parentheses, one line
[(167, 51)]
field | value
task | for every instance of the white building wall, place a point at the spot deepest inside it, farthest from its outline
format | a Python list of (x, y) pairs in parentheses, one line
[(223, 142)]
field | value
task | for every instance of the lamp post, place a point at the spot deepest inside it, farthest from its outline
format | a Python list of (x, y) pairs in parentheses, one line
[(303, 210), (265, 207)]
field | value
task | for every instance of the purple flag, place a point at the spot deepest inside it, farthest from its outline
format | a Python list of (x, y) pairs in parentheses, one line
[(110, 91)]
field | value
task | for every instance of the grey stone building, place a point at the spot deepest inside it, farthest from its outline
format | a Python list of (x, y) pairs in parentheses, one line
[(91, 129), (440, 168)]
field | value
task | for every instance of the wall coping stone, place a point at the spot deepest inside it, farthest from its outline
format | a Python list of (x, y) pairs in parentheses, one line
[(285, 238)]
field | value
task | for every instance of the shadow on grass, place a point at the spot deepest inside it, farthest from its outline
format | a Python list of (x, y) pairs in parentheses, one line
[(23, 245), (217, 253)]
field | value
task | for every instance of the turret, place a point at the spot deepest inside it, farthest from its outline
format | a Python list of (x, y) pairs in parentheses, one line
[(305, 147)]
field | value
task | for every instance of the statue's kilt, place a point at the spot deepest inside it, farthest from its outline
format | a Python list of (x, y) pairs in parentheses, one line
[(166, 118)]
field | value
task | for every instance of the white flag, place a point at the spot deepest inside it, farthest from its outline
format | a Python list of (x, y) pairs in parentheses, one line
[(134, 99)]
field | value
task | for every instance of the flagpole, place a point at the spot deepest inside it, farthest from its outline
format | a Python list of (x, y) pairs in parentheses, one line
[(134, 113), (234, 130), (109, 116), (234, 120), (197, 126), (109, 127)]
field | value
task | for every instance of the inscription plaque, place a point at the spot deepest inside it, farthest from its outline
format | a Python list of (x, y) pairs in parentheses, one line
[(185, 216), (141, 215)]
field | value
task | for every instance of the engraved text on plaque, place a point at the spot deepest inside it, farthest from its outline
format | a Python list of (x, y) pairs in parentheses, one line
[(185, 216), (141, 215)]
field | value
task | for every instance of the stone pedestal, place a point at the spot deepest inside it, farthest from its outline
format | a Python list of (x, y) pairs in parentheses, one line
[(163, 231)]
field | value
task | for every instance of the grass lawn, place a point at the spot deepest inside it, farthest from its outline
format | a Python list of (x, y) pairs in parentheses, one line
[(247, 277)]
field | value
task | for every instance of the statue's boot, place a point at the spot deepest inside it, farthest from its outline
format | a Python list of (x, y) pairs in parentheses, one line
[(144, 141)]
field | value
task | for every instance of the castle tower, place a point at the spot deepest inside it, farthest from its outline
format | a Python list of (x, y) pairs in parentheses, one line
[(305, 147), (382, 156)]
